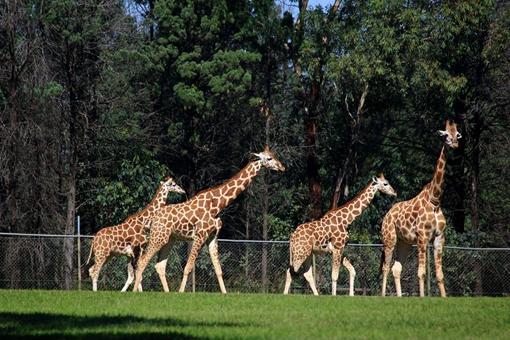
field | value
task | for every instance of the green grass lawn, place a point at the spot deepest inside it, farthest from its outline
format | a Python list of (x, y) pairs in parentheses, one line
[(206, 315)]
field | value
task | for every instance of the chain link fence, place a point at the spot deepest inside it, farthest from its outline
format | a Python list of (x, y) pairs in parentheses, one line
[(38, 262)]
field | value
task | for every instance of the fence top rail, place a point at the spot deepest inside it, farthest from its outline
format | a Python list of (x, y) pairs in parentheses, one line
[(46, 235), (247, 241)]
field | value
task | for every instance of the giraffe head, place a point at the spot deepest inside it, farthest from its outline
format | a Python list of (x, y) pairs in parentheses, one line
[(383, 185), (169, 185), (450, 135), (269, 160)]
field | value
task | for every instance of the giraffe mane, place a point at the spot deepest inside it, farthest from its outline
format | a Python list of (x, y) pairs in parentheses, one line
[(352, 199), (234, 177), (139, 212)]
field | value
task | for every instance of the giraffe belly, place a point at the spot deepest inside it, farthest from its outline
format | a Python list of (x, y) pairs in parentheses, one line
[(323, 247), (126, 250), (407, 233)]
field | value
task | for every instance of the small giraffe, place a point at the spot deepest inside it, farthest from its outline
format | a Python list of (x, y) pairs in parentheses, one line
[(417, 221), (329, 235), (127, 238), (196, 220)]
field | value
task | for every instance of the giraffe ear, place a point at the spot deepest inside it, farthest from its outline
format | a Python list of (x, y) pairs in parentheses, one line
[(374, 179), (442, 133)]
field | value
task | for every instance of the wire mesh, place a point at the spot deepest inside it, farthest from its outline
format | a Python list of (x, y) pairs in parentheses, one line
[(39, 262)]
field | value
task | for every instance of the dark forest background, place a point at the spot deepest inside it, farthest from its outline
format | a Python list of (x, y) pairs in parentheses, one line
[(100, 99)]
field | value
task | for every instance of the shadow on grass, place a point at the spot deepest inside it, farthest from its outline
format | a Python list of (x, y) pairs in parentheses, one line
[(98, 327)]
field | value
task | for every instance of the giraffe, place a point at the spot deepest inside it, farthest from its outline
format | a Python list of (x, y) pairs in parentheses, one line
[(329, 235), (417, 221), (127, 238), (196, 220)]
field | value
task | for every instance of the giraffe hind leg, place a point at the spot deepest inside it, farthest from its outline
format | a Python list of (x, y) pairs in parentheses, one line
[(142, 263), (99, 261), (402, 251), (292, 271), (352, 274), (335, 270), (309, 277), (161, 265), (288, 281), (389, 238), (195, 248), (386, 258), (438, 254), (213, 252), (131, 276)]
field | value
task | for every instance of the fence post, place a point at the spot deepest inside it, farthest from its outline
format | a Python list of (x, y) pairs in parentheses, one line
[(428, 270), (79, 251)]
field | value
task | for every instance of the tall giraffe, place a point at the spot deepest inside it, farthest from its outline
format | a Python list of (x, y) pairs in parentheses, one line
[(127, 238), (329, 235), (196, 220), (417, 221)]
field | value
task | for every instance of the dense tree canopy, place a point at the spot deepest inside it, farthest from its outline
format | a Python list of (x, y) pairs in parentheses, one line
[(100, 99)]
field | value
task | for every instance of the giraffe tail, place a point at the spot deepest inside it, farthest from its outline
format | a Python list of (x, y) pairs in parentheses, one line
[(379, 274), (90, 253), (291, 267)]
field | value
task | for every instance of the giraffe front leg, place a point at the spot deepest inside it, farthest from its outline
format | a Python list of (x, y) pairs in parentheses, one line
[(352, 274), (213, 252), (438, 256), (335, 270), (195, 248)]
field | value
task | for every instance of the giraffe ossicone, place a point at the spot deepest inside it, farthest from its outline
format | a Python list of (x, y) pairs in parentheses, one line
[(417, 221), (127, 238), (197, 220), (329, 234)]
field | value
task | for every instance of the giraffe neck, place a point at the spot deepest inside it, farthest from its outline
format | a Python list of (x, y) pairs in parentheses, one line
[(352, 209), (436, 185), (228, 191)]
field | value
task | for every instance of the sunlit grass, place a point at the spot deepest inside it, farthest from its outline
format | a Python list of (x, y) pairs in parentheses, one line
[(205, 315)]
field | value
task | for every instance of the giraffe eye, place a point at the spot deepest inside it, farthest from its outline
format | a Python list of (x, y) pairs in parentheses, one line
[(269, 158)]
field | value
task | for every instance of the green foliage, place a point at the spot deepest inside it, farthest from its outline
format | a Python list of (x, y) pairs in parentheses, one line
[(179, 87), (135, 185)]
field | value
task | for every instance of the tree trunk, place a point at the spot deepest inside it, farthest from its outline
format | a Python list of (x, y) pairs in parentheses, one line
[(265, 227), (312, 164), (340, 182), (265, 210), (341, 179), (458, 178), (474, 187), (69, 230)]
